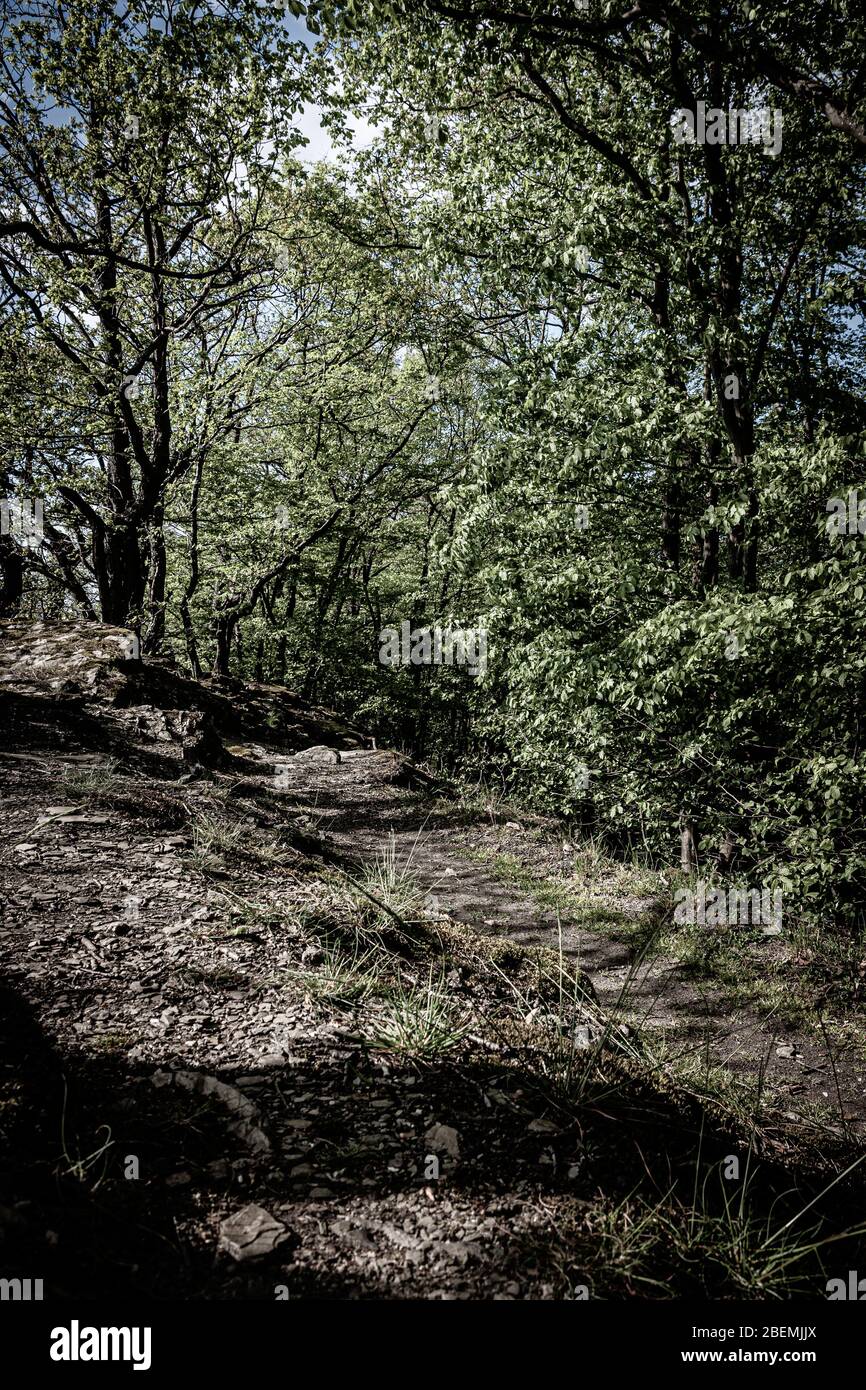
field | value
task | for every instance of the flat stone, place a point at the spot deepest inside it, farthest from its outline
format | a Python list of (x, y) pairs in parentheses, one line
[(542, 1126), (251, 1233), (443, 1139)]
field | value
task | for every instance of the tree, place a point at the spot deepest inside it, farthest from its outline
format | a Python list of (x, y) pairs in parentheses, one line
[(139, 147)]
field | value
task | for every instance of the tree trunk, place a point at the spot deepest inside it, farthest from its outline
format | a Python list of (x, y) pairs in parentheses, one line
[(671, 519), (11, 577), (192, 581), (688, 845), (156, 584), (224, 629), (710, 546)]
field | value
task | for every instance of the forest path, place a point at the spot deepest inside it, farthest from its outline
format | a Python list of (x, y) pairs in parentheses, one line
[(164, 938), (688, 1019)]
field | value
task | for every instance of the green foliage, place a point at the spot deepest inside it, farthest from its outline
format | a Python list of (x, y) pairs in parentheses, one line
[(524, 361)]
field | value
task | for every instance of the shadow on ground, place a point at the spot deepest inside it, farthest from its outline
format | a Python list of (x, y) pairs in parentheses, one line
[(362, 1219)]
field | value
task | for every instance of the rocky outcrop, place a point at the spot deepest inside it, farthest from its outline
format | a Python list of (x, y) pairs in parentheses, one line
[(94, 663)]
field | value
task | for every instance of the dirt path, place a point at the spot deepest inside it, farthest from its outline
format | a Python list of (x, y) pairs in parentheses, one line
[(359, 809)]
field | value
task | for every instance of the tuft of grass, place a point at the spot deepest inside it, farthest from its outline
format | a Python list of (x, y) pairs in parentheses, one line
[(344, 976), (418, 1021), (723, 1238), (214, 837), (569, 1030), (594, 871), (80, 1166), (391, 884), (92, 780)]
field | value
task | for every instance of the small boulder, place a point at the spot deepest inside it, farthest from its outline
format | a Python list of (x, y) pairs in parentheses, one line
[(318, 754), (251, 1233), (443, 1139)]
